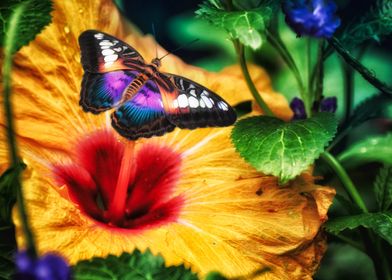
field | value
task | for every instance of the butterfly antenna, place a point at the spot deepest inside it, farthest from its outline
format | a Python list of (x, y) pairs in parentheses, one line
[(180, 47), (156, 43)]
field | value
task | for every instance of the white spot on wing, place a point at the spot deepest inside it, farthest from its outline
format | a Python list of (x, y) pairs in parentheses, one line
[(193, 103), (202, 104), (105, 47), (106, 43), (107, 52), (175, 103), (182, 101), (204, 92), (222, 105), (192, 91), (111, 58), (206, 101), (118, 49), (99, 36)]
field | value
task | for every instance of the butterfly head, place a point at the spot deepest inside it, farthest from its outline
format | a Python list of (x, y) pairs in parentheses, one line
[(156, 62)]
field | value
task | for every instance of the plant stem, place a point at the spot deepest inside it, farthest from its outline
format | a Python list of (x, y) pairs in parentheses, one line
[(241, 56), (318, 76), (309, 91), (354, 63), (12, 143), (277, 43), (345, 179)]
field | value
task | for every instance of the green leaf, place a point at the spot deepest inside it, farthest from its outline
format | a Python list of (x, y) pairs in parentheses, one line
[(380, 223), (215, 276), (376, 23), (7, 251), (282, 149), (30, 17), (372, 149), (245, 25), (135, 266), (383, 188), (8, 192), (377, 106)]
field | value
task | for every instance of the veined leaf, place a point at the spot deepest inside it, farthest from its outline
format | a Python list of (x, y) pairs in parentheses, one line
[(383, 188), (136, 266), (377, 106), (283, 149), (380, 223), (245, 25), (32, 17), (376, 23), (372, 149)]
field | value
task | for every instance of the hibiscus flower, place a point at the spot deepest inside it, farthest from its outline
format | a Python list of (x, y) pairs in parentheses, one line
[(189, 196)]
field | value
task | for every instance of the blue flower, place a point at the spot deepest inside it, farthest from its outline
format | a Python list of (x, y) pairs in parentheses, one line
[(315, 18), (328, 104), (48, 267), (298, 107)]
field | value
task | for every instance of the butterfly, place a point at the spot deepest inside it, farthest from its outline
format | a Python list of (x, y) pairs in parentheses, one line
[(145, 101)]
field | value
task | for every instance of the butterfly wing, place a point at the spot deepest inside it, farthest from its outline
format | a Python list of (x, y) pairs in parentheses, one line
[(143, 115), (191, 105), (103, 91), (101, 53)]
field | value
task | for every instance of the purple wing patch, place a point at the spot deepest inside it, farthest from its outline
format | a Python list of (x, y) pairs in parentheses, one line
[(143, 115), (101, 92)]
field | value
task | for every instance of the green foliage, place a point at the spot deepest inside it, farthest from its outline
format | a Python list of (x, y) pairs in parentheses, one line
[(376, 23), (7, 250), (283, 149), (380, 223), (247, 23), (135, 266), (7, 194), (7, 232), (371, 149), (383, 188), (215, 276), (33, 16), (377, 106)]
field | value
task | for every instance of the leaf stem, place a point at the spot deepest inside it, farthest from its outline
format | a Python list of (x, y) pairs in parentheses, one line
[(241, 56), (277, 43), (354, 63), (345, 179), (12, 143)]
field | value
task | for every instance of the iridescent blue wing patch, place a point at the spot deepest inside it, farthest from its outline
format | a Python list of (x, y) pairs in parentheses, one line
[(103, 91), (143, 115)]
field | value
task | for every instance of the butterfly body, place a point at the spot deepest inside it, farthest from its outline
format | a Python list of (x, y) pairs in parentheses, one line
[(146, 102)]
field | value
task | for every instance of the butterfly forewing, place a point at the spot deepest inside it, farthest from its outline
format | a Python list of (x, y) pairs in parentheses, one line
[(143, 115), (102, 53), (194, 106)]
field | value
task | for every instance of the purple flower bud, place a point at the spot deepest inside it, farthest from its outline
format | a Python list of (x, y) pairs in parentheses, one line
[(48, 267), (329, 104), (298, 107), (315, 18)]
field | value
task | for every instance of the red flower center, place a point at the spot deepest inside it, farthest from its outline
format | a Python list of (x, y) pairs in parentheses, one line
[(116, 185)]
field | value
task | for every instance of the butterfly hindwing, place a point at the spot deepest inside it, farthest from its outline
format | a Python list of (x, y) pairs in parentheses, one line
[(143, 115), (191, 105), (102, 91), (101, 53)]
